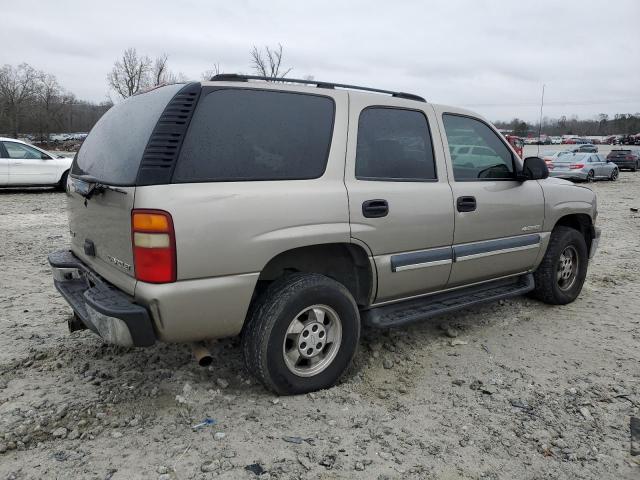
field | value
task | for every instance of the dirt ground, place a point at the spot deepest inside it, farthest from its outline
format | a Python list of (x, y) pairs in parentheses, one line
[(511, 390)]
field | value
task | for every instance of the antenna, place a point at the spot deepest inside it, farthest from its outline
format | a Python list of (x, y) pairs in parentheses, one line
[(540, 125)]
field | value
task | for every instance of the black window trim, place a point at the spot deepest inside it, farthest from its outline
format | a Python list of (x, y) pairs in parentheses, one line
[(211, 89), (394, 179), (500, 137)]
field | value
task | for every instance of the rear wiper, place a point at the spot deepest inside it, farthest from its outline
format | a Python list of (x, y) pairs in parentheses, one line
[(93, 186)]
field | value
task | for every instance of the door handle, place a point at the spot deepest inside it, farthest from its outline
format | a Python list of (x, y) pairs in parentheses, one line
[(466, 204), (375, 208)]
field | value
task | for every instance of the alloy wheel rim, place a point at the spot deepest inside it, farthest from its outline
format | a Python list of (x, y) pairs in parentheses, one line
[(590, 176), (567, 271), (312, 340), (614, 175)]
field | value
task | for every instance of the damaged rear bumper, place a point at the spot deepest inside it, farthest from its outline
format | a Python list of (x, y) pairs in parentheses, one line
[(100, 306)]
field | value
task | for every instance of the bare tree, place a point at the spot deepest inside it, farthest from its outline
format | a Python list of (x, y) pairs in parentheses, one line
[(268, 62), (50, 101), (130, 74), (207, 74), (18, 88), (160, 70)]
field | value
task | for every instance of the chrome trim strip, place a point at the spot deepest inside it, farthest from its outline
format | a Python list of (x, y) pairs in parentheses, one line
[(421, 258), (414, 266), (462, 258)]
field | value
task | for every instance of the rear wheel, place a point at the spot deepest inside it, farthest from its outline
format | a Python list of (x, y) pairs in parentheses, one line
[(591, 176), (302, 334), (561, 274)]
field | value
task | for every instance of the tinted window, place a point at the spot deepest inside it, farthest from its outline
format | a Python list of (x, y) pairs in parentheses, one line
[(24, 152), (490, 158), (394, 144), (238, 135), (113, 150)]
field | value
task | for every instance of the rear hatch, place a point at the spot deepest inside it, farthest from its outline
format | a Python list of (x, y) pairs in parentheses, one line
[(620, 156), (566, 161), (108, 162)]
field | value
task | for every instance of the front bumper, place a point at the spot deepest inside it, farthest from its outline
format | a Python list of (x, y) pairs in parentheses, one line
[(569, 175), (100, 306)]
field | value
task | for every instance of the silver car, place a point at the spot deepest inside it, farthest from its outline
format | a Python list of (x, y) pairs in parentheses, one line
[(583, 166)]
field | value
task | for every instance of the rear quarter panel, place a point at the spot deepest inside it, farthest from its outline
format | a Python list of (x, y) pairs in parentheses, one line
[(226, 228)]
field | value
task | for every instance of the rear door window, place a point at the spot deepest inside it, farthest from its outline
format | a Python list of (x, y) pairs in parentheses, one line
[(245, 135), (394, 145)]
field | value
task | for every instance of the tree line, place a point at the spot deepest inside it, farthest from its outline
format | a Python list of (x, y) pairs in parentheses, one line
[(33, 102), (601, 125)]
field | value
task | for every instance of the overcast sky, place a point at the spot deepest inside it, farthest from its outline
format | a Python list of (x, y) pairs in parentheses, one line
[(490, 56)]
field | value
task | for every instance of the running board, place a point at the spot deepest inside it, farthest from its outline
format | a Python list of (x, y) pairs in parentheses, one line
[(410, 311)]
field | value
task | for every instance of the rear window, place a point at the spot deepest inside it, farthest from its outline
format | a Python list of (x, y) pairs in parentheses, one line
[(113, 150), (244, 135)]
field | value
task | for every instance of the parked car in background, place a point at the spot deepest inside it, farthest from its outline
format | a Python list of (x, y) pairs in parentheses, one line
[(585, 148), (556, 140), (550, 157), (23, 165), (625, 158), (583, 166)]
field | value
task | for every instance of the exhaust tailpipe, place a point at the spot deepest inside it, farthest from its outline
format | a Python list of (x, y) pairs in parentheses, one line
[(202, 354)]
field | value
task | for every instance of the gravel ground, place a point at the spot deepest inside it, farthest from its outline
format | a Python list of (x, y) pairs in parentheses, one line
[(512, 390)]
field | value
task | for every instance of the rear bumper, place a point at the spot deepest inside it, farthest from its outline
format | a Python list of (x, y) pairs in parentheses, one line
[(595, 241), (100, 306), (630, 164)]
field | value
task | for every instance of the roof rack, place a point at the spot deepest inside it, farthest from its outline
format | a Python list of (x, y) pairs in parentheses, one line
[(234, 77)]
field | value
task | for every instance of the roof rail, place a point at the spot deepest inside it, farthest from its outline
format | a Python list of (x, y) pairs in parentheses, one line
[(234, 77)]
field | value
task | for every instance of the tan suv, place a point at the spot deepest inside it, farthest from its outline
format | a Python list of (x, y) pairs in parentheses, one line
[(293, 212)]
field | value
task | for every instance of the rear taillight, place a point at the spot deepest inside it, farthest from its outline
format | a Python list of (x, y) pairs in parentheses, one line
[(154, 246), (576, 166), (629, 157), (549, 165)]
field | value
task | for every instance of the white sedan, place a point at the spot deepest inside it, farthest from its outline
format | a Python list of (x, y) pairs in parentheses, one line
[(23, 165)]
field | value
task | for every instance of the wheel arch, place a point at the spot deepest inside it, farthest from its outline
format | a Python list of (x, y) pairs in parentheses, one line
[(580, 222), (346, 263)]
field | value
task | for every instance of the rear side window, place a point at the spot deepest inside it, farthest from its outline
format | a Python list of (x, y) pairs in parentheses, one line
[(489, 159), (113, 150), (394, 145), (244, 135)]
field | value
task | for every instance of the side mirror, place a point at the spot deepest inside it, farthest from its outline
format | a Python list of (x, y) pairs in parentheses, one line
[(534, 168)]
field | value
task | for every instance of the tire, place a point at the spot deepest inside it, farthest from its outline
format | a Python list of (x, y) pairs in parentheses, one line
[(268, 343), (62, 184), (614, 175), (591, 176), (551, 289)]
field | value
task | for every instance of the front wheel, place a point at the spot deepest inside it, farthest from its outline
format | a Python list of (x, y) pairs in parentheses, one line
[(302, 334), (614, 175), (62, 184), (561, 274)]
